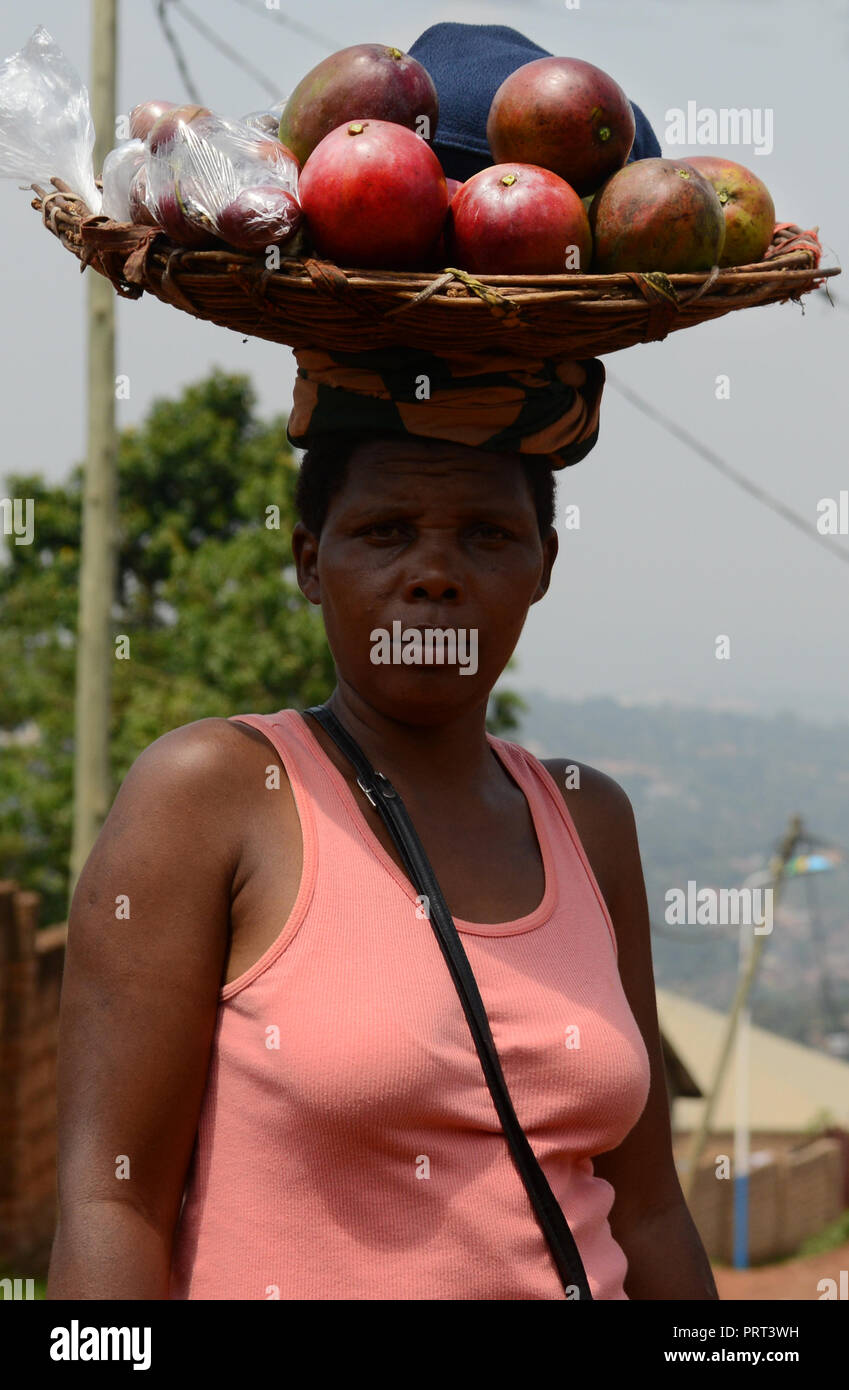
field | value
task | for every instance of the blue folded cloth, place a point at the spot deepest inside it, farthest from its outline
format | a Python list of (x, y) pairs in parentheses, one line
[(468, 63)]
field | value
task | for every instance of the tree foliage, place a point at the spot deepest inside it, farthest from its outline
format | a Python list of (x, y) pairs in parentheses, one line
[(206, 595)]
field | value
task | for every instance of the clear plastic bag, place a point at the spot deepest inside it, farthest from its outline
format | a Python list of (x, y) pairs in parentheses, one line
[(266, 121), (46, 130), (209, 177), (119, 169)]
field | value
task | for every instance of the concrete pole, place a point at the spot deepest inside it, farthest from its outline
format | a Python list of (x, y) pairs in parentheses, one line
[(98, 552), (744, 984)]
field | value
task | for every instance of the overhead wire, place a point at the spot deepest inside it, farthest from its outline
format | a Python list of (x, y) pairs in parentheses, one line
[(176, 50), (226, 49), (678, 432), (304, 30)]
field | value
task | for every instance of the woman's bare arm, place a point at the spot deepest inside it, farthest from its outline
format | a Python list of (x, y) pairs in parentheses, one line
[(147, 941), (649, 1218)]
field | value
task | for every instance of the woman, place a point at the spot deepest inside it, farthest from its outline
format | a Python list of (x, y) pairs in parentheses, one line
[(268, 1088)]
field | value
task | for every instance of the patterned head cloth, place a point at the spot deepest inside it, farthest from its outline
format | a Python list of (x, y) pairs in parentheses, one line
[(490, 401)]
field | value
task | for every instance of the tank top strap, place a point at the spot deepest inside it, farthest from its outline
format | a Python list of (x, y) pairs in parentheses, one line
[(277, 728), (547, 800), (535, 780)]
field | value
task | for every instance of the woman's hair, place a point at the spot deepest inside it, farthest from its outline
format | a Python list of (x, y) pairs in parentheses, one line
[(325, 463)]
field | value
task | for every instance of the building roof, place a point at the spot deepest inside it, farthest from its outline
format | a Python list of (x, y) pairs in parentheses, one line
[(792, 1088)]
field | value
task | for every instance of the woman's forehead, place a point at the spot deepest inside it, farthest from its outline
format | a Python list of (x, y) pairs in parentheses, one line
[(407, 455), (433, 482)]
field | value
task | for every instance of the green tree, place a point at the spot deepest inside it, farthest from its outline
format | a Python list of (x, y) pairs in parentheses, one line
[(206, 597)]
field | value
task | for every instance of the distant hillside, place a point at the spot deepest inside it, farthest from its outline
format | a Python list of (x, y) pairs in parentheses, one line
[(712, 794)]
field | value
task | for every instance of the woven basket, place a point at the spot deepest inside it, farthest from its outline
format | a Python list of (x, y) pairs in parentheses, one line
[(314, 303)]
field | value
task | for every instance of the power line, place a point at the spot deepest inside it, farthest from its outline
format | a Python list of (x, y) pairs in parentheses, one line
[(179, 58), (673, 428), (223, 47), (305, 32)]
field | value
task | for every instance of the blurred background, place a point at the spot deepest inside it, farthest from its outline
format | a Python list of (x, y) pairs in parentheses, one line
[(732, 765)]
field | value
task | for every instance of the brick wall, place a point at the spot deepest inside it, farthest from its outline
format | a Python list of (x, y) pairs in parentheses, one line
[(794, 1195), (31, 962), (811, 1191)]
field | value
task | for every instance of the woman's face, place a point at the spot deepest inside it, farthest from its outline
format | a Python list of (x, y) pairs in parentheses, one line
[(427, 535)]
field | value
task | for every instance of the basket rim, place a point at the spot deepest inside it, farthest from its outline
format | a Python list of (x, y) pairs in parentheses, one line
[(303, 301), (295, 269)]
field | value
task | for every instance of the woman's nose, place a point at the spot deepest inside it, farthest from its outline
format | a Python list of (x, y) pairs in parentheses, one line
[(433, 571), (433, 582)]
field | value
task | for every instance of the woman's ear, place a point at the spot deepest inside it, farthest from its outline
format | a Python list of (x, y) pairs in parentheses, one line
[(550, 547), (305, 553)]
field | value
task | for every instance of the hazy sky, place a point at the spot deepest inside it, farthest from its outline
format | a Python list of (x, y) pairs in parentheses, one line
[(669, 554)]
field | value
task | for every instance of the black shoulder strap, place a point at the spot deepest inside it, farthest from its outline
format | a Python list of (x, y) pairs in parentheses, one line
[(388, 803)]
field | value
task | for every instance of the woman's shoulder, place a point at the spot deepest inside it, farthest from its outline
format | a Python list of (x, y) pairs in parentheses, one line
[(201, 746), (212, 761), (602, 814), (580, 782)]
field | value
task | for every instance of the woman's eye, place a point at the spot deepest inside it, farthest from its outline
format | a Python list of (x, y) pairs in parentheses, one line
[(385, 530), (490, 530)]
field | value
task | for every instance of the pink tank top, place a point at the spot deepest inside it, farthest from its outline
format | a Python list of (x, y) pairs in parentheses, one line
[(348, 1146)]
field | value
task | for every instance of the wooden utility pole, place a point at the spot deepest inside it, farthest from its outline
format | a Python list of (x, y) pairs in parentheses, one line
[(98, 551)]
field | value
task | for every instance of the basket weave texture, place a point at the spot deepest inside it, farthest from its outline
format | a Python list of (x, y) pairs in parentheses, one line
[(313, 303)]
